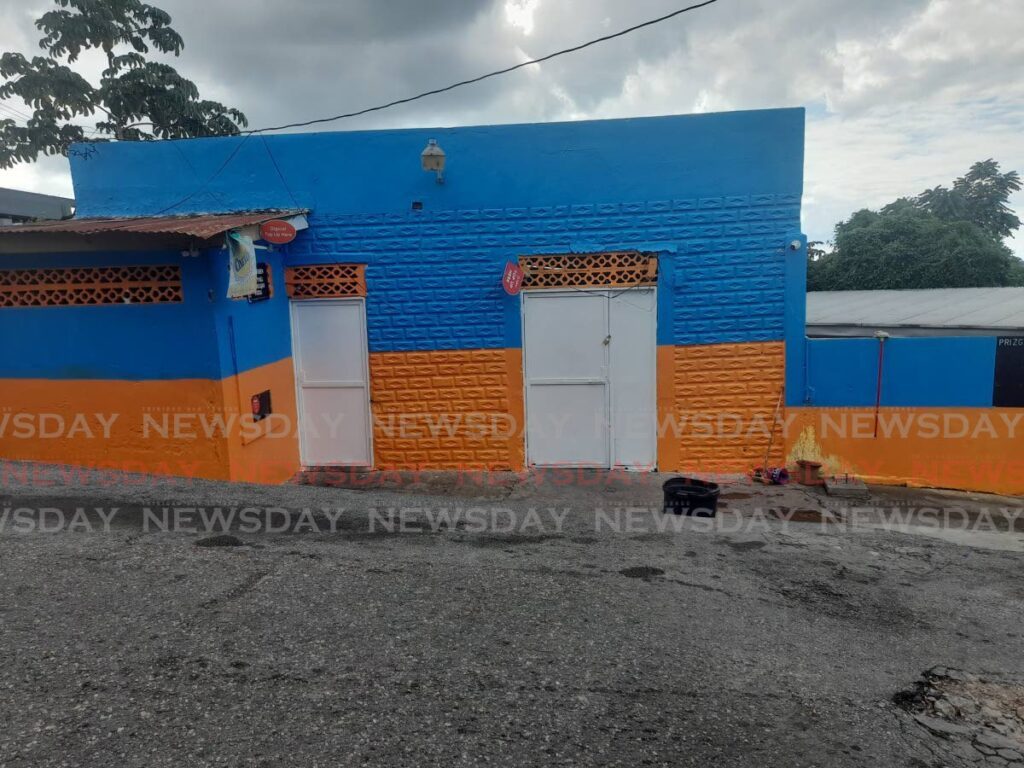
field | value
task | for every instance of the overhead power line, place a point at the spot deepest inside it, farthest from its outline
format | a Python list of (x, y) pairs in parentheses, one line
[(245, 135), (16, 114), (489, 75), (5, 107)]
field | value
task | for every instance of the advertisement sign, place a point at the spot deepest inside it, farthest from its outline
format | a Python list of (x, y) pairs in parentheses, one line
[(242, 280), (277, 232), (512, 280)]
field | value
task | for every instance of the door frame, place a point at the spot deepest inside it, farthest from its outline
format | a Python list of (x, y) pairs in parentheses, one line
[(361, 302), (609, 294)]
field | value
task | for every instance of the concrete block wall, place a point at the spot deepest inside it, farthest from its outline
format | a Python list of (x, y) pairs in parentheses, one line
[(433, 286), (447, 409), (724, 398), (433, 277), (176, 378), (714, 196)]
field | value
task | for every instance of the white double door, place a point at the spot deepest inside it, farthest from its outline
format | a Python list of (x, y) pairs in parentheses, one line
[(329, 350), (589, 360)]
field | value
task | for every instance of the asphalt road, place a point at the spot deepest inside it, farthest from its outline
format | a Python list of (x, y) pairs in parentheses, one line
[(589, 638)]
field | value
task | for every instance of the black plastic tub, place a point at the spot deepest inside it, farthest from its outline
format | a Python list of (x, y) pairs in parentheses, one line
[(689, 496)]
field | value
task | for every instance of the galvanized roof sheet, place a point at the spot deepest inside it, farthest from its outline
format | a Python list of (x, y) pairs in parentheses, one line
[(1001, 308), (204, 226)]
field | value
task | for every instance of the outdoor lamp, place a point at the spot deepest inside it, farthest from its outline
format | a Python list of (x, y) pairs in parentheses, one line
[(433, 159)]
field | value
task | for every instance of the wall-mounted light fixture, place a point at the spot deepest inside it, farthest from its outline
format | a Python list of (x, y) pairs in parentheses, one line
[(433, 159)]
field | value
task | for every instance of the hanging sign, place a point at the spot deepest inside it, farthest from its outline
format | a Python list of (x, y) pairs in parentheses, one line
[(242, 280), (277, 231), (512, 280)]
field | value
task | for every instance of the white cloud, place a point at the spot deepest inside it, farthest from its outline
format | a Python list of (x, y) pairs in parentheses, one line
[(519, 13)]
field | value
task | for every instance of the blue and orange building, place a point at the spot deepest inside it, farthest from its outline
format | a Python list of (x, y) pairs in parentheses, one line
[(664, 278)]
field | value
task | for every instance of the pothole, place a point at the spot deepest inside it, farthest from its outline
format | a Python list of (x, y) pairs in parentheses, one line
[(220, 540), (645, 572), (801, 515), (979, 717)]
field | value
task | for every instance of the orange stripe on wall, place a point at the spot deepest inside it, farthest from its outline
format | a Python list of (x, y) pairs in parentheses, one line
[(185, 427), (716, 404), (266, 451), (457, 409), (160, 427), (975, 449)]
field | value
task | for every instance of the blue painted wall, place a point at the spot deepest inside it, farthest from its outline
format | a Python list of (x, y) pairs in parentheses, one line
[(716, 196), (249, 335), (145, 341), (433, 277), (148, 341), (936, 372), (507, 166)]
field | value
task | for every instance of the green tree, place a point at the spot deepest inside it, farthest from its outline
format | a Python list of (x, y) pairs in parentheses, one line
[(980, 196), (943, 238), (137, 99)]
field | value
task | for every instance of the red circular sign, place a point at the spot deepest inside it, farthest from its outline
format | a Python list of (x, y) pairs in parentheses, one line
[(512, 280), (277, 231)]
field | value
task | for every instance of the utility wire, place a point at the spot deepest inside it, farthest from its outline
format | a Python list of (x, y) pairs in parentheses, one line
[(245, 135), (17, 114), (489, 75), (13, 111), (277, 168)]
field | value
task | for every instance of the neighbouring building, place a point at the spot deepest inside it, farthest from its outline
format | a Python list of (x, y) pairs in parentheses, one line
[(18, 206), (990, 312), (923, 387)]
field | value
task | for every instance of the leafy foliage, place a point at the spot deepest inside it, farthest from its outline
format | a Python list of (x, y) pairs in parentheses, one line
[(979, 197), (138, 99), (943, 238)]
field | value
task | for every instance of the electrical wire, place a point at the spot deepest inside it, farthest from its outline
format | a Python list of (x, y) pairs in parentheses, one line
[(17, 114), (245, 135), (489, 75), (13, 111), (202, 187), (280, 175)]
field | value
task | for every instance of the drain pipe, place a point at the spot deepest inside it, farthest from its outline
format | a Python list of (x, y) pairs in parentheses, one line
[(881, 336)]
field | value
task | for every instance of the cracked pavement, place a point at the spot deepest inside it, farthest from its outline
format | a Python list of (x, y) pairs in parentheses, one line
[(747, 640)]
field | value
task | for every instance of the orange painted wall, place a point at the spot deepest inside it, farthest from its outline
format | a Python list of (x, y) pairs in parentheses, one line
[(433, 410), (185, 427), (266, 451), (448, 409), (978, 449), (160, 427), (716, 404)]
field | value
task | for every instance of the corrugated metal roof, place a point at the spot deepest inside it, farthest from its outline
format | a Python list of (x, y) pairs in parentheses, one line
[(197, 226), (997, 308)]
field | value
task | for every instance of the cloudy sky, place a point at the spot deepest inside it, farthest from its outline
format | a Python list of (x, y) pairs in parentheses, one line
[(901, 94)]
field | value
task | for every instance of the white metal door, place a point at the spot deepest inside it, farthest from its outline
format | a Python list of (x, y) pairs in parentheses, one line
[(331, 376), (589, 364), (565, 359), (632, 366)]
